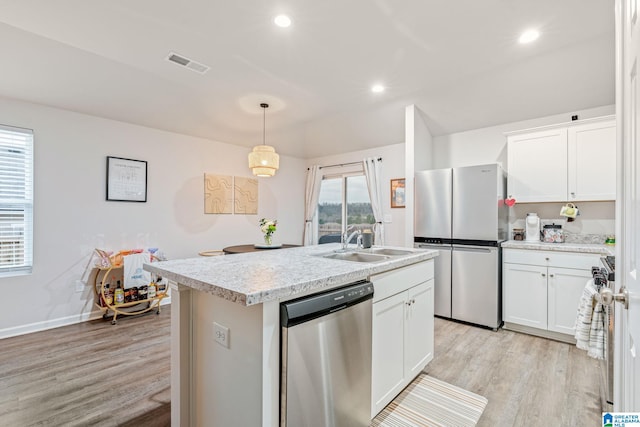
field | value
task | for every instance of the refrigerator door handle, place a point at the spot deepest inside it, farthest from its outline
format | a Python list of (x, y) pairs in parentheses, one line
[(433, 246), (468, 249)]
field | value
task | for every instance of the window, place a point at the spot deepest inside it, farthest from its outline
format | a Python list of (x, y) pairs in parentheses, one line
[(16, 201), (343, 199)]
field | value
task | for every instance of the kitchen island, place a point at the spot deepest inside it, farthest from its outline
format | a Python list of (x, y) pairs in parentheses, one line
[(235, 381)]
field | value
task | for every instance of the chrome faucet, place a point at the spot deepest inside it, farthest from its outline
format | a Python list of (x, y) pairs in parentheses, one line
[(346, 237)]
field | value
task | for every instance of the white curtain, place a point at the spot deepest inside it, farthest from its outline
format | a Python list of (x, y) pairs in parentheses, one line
[(371, 168), (312, 192)]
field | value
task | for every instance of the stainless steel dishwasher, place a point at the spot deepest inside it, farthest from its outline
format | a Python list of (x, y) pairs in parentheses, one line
[(326, 358)]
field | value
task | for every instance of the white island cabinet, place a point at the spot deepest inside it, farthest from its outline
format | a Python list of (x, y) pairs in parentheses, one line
[(542, 289), (225, 325), (402, 330)]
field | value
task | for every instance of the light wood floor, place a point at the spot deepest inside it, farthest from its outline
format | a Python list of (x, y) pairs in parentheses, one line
[(96, 374), (528, 381), (89, 374)]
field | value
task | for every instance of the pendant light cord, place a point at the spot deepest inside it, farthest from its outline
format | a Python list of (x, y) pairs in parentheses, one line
[(264, 121)]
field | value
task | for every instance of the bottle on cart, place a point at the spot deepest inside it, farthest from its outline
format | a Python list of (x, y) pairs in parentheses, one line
[(108, 295), (142, 293), (134, 294), (119, 294), (151, 290), (161, 287), (101, 300)]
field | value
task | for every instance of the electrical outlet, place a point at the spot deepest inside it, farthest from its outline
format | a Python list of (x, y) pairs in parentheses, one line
[(221, 334), (79, 286)]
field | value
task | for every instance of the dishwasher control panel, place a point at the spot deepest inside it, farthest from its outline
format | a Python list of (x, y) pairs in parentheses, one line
[(312, 306), (359, 291)]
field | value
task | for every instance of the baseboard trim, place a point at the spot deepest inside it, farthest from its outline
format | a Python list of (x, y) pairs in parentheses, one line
[(56, 323), (539, 332)]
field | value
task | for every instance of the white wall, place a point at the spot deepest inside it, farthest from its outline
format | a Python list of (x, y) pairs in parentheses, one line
[(596, 220), (393, 166), (72, 217)]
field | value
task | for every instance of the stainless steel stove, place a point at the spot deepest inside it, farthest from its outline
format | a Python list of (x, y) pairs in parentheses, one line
[(604, 276)]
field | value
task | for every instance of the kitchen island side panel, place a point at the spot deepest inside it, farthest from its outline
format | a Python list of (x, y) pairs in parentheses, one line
[(226, 383)]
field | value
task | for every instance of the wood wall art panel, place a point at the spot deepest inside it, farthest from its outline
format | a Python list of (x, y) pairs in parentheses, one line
[(218, 194), (245, 198)]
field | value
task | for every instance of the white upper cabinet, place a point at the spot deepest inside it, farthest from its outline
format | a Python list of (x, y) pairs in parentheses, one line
[(563, 163), (592, 161), (538, 166)]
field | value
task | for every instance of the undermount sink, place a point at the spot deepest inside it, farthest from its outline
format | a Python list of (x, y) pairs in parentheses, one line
[(386, 251), (356, 256)]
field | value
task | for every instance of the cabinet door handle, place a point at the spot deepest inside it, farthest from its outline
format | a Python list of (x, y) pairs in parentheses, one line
[(551, 275), (544, 275), (573, 194), (546, 259)]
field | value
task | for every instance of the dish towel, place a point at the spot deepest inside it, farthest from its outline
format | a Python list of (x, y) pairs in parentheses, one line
[(590, 322)]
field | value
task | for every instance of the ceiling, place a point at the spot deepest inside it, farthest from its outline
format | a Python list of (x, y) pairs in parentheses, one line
[(459, 62)]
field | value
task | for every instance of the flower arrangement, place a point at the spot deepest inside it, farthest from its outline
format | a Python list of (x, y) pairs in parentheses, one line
[(268, 227)]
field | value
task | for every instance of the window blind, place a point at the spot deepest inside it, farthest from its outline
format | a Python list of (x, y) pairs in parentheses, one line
[(16, 201)]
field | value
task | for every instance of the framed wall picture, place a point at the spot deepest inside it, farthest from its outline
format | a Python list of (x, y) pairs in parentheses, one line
[(397, 193), (126, 180)]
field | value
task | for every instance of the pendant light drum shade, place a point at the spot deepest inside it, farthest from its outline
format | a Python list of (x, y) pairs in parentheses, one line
[(263, 160)]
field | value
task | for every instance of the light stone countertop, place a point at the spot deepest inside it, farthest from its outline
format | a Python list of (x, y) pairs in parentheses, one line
[(587, 248), (278, 274)]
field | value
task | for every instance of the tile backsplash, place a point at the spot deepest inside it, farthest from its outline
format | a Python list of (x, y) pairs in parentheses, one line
[(595, 222)]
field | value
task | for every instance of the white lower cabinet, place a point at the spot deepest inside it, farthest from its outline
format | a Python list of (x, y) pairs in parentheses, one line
[(542, 289), (564, 289), (388, 351), (402, 330), (419, 328), (525, 295)]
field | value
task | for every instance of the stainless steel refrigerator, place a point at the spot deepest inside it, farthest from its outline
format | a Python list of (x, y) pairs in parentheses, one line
[(461, 213)]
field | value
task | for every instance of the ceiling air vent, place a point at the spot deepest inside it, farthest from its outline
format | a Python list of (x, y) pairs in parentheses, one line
[(186, 62)]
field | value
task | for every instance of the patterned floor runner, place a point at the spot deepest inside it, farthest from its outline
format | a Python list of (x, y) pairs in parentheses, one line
[(428, 402)]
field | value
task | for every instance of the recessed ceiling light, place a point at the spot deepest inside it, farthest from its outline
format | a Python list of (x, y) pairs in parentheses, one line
[(282, 21), (529, 36), (377, 88)]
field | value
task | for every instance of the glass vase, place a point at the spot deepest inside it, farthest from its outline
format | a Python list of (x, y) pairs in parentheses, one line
[(268, 239)]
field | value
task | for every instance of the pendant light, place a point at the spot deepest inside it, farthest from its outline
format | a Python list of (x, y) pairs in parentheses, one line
[(263, 160)]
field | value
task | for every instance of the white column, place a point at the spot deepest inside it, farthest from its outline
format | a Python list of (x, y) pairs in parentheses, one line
[(180, 355), (271, 364)]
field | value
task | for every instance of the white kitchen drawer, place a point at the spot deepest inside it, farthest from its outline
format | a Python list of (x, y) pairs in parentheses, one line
[(399, 280), (580, 261)]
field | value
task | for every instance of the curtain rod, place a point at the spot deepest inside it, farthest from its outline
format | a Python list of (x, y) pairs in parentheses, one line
[(345, 164)]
